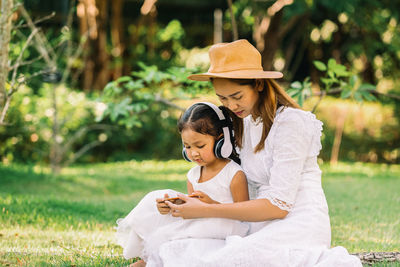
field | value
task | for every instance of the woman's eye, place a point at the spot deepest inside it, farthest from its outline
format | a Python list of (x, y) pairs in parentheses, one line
[(237, 98)]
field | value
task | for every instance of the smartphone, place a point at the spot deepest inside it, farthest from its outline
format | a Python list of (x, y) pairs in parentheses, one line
[(177, 200), (174, 200)]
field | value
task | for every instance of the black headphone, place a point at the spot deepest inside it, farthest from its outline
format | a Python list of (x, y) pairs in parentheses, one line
[(223, 147)]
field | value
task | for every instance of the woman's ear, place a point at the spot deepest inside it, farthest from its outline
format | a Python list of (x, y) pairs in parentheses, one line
[(259, 85)]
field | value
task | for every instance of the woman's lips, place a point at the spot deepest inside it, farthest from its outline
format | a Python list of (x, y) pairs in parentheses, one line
[(239, 113)]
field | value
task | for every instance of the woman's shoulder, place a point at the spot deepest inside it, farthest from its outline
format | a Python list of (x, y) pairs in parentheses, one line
[(299, 117), (289, 113), (302, 123)]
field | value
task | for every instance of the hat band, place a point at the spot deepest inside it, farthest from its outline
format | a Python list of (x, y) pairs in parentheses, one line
[(240, 69)]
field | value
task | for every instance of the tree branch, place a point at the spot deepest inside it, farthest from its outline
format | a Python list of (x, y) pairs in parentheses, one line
[(81, 132), (335, 91), (19, 59), (233, 21), (36, 21), (81, 152), (43, 49), (160, 99)]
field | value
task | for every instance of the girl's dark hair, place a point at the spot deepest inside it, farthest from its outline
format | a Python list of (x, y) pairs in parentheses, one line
[(202, 119)]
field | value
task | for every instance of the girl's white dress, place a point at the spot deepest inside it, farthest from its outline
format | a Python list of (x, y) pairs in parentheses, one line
[(144, 229), (286, 173)]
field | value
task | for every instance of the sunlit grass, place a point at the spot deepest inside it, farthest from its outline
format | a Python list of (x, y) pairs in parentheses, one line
[(68, 220)]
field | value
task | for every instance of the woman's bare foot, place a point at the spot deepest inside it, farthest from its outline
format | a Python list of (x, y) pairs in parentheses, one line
[(139, 263)]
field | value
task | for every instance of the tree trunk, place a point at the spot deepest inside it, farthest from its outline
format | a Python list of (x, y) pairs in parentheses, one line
[(101, 58), (235, 34), (93, 20), (272, 40), (5, 33), (342, 114), (117, 34)]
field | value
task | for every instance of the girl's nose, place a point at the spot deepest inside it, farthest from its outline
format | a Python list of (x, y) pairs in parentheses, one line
[(194, 153)]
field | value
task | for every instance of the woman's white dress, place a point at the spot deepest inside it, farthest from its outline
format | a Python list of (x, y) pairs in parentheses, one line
[(144, 229), (286, 173)]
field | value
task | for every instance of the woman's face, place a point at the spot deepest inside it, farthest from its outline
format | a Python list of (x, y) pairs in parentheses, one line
[(239, 98)]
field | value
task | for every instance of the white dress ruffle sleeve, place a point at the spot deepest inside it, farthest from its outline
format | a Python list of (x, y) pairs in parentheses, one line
[(287, 174)]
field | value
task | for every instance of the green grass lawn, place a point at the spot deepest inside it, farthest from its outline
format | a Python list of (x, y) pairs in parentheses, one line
[(68, 220)]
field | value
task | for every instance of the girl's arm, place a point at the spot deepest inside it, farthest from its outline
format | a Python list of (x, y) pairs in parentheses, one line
[(239, 189), (252, 210), (189, 188)]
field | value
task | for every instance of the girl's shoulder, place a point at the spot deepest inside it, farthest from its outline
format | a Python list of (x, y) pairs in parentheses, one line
[(193, 174), (233, 167), (226, 174)]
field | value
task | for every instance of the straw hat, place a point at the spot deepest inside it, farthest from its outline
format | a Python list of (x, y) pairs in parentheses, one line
[(236, 60)]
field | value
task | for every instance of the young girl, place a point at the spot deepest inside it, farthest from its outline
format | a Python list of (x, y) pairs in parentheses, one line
[(207, 140)]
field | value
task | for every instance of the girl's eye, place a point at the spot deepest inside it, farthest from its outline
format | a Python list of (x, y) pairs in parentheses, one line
[(238, 98), (201, 146), (187, 147)]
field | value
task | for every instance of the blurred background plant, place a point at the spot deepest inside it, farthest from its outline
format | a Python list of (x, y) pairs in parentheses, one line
[(123, 67)]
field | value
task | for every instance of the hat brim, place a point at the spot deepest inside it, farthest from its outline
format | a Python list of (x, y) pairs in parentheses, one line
[(239, 74)]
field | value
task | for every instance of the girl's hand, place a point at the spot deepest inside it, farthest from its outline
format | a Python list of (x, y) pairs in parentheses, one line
[(203, 197), (162, 206), (191, 209)]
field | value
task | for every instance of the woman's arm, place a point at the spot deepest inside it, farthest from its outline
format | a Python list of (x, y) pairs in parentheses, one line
[(252, 210)]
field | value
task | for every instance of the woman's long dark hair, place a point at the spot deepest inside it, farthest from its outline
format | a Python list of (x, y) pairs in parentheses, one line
[(271, 96), (202, 118)]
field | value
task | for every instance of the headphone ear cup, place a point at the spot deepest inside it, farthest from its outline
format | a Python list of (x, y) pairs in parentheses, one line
[(218, 147), (184, 155)]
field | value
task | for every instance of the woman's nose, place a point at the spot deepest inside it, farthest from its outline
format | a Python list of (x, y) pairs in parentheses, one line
[(232, 105)]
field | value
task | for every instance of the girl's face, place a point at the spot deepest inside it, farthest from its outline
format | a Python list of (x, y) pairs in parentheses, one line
[(199, 147), (239, 98)]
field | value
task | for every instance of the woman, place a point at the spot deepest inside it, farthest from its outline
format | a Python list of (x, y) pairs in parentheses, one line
[(279, 144)]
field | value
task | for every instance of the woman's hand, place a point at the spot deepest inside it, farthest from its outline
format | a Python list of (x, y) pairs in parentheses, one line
[(191, 209), (203, 197), (162, 206)]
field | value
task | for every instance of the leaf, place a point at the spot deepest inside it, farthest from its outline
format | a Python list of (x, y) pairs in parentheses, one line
[(353, 80), (327, 80), (133, 85), (358, 97), (366, 87), (331, 64), (367, 96), (296, 85), (293, 92), (319, 65), (300, 100), (345, 93), (124, 79)]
